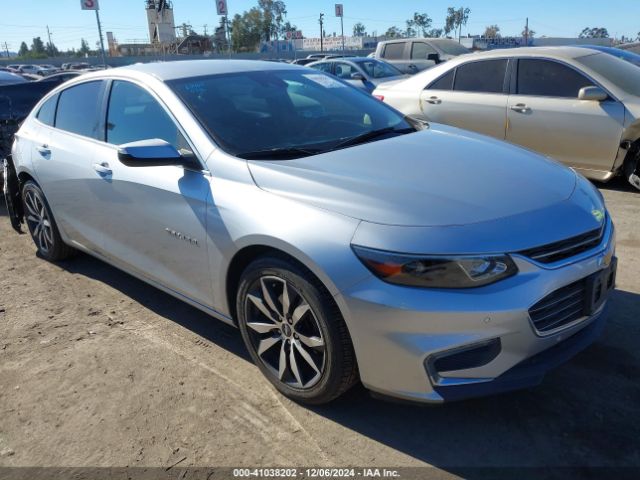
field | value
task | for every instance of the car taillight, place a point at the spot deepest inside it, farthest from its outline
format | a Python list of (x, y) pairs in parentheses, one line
[(380, 97)]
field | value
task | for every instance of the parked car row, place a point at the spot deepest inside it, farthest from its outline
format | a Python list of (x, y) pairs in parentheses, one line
[(579, 106), (347, 240)]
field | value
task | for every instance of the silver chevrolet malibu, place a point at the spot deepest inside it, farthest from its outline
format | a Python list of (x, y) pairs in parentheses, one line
[(346, 242)]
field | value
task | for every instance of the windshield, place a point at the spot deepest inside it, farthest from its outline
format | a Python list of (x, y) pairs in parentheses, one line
[(623, 75), (450, 47), (287, 110), (378, 69), (623, 54)]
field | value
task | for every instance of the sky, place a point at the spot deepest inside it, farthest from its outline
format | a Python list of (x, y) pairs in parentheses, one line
[(24, 19)]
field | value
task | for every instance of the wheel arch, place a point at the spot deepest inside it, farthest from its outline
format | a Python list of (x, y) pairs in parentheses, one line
[(249, 253)]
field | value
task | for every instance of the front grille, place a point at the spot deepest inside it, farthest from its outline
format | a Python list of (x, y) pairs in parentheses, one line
[(561, 307), (554, 252)]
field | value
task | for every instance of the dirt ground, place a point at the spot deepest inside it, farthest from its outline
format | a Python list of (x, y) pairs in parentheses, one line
[(99, 369)]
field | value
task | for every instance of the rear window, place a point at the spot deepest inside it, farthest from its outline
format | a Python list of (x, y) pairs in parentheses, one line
[(47, 112), (78, 109), (393, 51), (481, 77), (445, 82)]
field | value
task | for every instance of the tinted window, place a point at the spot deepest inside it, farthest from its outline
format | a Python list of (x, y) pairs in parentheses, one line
[(394, 51), (78, 109), (47, 112), (549, 79), (445, 82), (248, 112), (344, 70), (323, 67), (378, 69), (135, 115), (622, 74), (485, 77), (419, 51)]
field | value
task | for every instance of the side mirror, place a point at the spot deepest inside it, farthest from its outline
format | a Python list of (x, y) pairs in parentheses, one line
[(151, 153), (593, 94), (434, 57), (357, 76)]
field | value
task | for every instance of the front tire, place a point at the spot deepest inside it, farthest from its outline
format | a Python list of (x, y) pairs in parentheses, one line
[(294, 331), (42, 226)]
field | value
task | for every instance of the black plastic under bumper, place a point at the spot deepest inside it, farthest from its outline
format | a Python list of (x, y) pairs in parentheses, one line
[(530, 372), (11, 188)]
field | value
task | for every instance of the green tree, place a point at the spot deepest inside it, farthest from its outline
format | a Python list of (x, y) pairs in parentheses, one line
[(422, 22), (456, 18), (393, 32), (84, 48), (492, 31), (247, 30), (410, 31), (597, 32), (359, 30), (24, 50), (434, 33), (273, 14), (37, 47), (52, 50)]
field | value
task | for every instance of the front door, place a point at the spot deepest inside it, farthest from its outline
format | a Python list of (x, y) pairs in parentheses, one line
[(546, 115), (156, 215)]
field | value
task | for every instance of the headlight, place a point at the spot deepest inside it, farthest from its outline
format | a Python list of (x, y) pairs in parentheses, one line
[(436, 271)]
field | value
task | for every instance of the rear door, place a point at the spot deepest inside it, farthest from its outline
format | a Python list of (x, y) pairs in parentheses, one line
[(63, 160), (546, 115), (155, 217), (473, 96)]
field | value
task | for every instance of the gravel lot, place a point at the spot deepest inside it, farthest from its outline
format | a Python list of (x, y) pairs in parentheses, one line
[(99, 369)]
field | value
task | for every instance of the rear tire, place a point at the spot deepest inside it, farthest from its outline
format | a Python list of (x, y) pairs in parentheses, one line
[(41, 224), (286, 315)]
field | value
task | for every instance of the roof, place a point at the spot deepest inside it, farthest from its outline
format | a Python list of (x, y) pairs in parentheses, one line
[(551, 52), (196, 68)]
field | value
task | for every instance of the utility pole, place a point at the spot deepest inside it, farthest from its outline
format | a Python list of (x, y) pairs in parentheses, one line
[(205, 29), (50, 42), (104, 58), (6, 48), (526, 33), (321, 32)]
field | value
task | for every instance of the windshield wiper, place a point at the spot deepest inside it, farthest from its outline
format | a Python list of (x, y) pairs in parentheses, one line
[(278, 153), (371, 135)]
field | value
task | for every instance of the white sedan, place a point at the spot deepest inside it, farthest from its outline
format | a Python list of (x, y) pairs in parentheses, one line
[(576, 105)]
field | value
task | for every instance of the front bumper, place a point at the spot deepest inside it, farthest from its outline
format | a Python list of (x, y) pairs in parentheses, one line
[(397, 331)]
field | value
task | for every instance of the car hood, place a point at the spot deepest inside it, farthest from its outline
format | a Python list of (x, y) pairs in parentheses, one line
[(442, 176)]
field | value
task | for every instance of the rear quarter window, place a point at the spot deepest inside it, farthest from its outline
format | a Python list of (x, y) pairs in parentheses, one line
[(47, 112)]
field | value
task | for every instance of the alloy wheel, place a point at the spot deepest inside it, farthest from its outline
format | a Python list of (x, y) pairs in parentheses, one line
[(285, 332), (38, 221)]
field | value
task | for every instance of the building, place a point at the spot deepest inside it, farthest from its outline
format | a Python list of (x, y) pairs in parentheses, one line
[(335, 43)]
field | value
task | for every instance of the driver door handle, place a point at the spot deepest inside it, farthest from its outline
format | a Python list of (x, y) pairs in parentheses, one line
[(102, 168), (520, 108), (434, 100)]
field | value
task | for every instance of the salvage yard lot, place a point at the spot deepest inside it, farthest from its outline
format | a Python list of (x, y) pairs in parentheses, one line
[(99, 369)]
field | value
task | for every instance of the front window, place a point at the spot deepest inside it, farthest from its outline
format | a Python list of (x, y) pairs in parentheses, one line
[(544, 78), (259, 114), (378, 69), (622, 74)]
